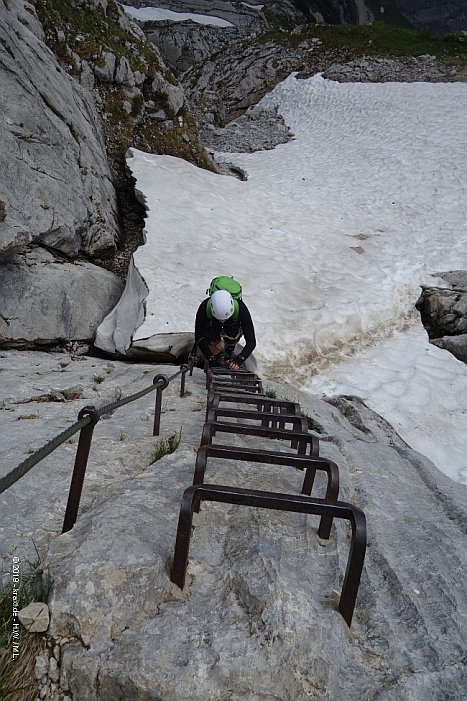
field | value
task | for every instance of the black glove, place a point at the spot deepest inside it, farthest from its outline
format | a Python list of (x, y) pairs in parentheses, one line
[(214, 362)]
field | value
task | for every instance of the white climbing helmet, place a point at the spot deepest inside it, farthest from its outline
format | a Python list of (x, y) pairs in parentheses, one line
[(222, 305)]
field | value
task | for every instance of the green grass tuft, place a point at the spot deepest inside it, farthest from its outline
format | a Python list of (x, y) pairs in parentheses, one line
[(165, 446), (17, 681), (379, 39)]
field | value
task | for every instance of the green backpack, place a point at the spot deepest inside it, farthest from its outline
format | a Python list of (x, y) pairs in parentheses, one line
[(228, 283)]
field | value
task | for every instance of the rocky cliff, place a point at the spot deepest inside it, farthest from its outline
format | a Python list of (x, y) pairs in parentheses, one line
[(67, 209)]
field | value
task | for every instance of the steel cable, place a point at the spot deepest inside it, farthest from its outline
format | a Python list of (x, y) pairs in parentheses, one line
[(23, 468)]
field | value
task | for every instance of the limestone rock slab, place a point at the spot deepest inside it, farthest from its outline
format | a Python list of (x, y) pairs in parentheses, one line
[(56, 186), (46, 301), (257, 618)]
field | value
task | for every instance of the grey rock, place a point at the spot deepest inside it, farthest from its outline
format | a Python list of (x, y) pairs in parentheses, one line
[(435, 15), (123, 74), (227, 84), (159, 116), (139, 77), (257, 618), (57, 188), (47, 301), (380, 70), (457, 279), (457, 345), (257, 129), (104, 69), (162, 347), (35, 617), (41, 666), (443, 310), (54, 672), (86, 77), (184, 44), (175, 94)]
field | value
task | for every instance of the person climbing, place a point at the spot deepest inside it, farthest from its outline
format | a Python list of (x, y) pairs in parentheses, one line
[(222, 320)]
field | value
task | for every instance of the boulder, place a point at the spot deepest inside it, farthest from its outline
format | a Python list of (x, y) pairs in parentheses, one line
[(104, 68), (443, 311), (174, 93), (457, 345), (45, 301), (164, 347)]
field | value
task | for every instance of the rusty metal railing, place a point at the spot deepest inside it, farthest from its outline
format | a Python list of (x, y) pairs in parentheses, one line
[(160, 383), (88, 418), (280, 502)]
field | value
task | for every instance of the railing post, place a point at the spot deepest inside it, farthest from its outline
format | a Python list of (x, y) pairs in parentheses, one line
[(191, 363), (184, 369), (162, 382), (79, 470)]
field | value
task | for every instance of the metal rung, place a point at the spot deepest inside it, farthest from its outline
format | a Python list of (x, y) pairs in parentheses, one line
[(262, 403), (236, 373), (280, 502), (270, 457), (254, 387), (227, 374), (268, 419), (298, 440)]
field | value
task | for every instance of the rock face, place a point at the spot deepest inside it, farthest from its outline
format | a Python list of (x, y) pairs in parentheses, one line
[(185, 43), (56, 194), (58, 200), (56, 187), (257, 619), (383, 70), (435, 15), (444, 313), (238, 78)]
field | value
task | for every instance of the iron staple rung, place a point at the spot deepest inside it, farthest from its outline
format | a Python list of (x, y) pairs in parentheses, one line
[(219, 372), (228, 387), (299, 421), (301, 462), (280, 502), (271, 457), (217, 396), (297, 439), (247, 382)]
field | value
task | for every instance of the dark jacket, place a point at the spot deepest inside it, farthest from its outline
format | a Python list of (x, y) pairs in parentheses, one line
[(208, 330)]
